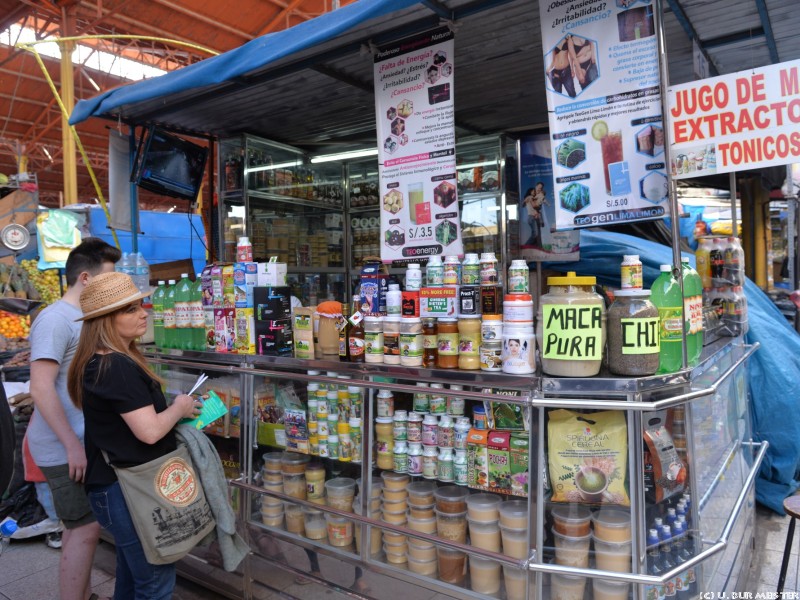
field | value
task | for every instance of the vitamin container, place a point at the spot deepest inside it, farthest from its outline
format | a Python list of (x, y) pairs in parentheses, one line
[(445, 432), (612, 525), (484, 535), (484, 575), (514, 514), (413, 277), (479, 417), (460, 432), (430, 430), (482, 508), (571, 327), (447, 340), (394, 299), (469, 336), (340, 530), (434, 272), (488, 269), (444, 465), (572, 551), (391, 340), (491, 328), (400, 426), (455, 404), (491, 355), (471, 270), (437, 402), (414, 427), (518, 277), (518, 309), (415, 458), (452, 271), (385, 403), (571, 519), (385, 442), (430, 456), (631, 272), (410, 307), (469, 300), (373, 339), (492, 299), (411, 342), (518, 355)]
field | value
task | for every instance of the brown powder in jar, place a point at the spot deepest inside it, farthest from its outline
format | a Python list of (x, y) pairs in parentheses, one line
[(451, 566), (452, 527)]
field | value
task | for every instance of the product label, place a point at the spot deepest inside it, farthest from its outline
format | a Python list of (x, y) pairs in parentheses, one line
[(517, 312), (435, 275), (429, 342), (469, 344), (410, 344), (356, 346), (640, 336), (421, 403), (414, 464), (391, 344), (471, 274), (448, 344), (631, 276), (671, 318), (572, 331), (437, 405), (374, 342), (183, 319), (197, 315), (169, 318)]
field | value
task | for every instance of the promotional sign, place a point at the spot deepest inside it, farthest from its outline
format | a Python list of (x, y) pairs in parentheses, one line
[(743, 120), (417, 148), (606, 134), (539, 240)]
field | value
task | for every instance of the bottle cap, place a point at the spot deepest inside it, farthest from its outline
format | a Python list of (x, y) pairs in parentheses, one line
[(8, 528), (244, 240)]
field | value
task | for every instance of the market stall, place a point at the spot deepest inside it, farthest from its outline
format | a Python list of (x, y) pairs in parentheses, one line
[(527, 476)]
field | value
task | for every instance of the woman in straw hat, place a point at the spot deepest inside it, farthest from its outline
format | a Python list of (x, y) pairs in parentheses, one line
[(126, 417)]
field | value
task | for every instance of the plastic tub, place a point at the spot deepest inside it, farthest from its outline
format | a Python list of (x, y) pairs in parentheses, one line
[(567, 587), (340, 493), (294, 519), (571, 519), (451, 499), (394, 518), (419, 566), (394, 495), (340, 530), (395, 507), (272, 476), (274, 521), (572, 551), (515, 541), (425, 525), (452, 565), (612, 556), (514, 514), (484, 575), (516, 582), (395, 555), (273, 461), (483, 507), (273, 510), (394, 539), (610, 590), (421, 550), (375, 491), (421, 512), (484, 535), (452, 526), (295, 485), (294, 463), (394, 481), (269, 500), (612, 525), (375, 533), (314, 524), (420, 493)]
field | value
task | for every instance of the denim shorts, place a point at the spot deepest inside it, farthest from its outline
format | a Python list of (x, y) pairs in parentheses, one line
[(136, 578), (69, 497)]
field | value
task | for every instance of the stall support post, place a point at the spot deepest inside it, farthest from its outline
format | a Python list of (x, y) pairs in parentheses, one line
[(134, 194), (734, 222)]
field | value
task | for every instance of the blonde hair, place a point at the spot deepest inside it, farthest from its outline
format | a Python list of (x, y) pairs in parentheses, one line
[(100, 335)]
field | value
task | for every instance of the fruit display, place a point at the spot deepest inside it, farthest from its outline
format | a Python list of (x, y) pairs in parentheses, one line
[(43, 285), (13, 327), (20, 359)]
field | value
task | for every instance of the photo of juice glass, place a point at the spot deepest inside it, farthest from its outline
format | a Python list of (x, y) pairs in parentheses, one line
[(415, 198), (611, 146)]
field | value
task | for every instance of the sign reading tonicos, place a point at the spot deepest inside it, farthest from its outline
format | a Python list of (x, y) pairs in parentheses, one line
[(743, 120)]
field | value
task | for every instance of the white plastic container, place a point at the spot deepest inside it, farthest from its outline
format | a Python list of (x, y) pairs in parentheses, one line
[(518, 277), (413, 278), (434, 272), (519, 349), (518, 309), (394, 299)]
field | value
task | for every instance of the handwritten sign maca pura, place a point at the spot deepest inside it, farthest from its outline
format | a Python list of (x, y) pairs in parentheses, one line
[(572, 331)]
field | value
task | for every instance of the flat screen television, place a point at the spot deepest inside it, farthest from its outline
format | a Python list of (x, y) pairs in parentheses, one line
[(170, 165)]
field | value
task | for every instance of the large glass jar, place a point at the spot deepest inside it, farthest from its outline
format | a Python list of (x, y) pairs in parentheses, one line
[(447, 336), (571, 327), (469, 342), (633, 336)]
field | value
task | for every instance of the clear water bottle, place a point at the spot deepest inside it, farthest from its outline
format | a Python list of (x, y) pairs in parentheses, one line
[(197, 315), (158, 314), (7, 529), (142, 273), (183, 318), (170, 330), (127, 264)]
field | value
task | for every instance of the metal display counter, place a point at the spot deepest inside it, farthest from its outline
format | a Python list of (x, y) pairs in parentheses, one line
[(722, 463)]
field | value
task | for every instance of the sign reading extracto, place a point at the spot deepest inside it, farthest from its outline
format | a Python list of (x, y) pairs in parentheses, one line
[(606, 133), (416, 148)]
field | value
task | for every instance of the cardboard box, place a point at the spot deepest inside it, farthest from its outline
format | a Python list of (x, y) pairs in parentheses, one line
[(439, 302), (245, 341), (272, 303), (228, 288), (296, 428), (211, 341), (499, 444), (519, 456), (478, 459), (303, 332), (274, 338), (239, 285), (224, 329), (374, 285), (217, 294), (271, 274)]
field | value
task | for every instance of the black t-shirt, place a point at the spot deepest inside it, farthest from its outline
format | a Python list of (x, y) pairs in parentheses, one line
[(117, 387)]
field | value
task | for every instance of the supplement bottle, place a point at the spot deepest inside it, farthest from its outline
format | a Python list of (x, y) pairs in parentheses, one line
[(394, 300), (471, 270), (430, 347), (518, 277), (413, 277), (373, 339), (488, 269), (411, 342), (452, 270), (631, 272), (391, 340), (434, 272)]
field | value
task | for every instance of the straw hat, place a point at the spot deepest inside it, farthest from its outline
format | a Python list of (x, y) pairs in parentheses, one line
[(108, 292)]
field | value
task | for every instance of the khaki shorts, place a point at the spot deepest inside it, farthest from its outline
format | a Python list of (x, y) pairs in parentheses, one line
[(69, 497)]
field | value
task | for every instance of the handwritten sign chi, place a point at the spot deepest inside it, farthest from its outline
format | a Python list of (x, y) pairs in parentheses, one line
[(743, 120)]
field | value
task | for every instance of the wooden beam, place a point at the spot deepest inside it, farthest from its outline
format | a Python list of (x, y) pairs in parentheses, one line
[(270, 27)]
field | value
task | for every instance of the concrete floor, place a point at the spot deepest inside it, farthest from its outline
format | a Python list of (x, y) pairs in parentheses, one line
[(29, 570)]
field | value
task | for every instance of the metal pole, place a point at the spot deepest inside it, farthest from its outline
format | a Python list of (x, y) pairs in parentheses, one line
[(134, 197), (673, 192), (734, 227)]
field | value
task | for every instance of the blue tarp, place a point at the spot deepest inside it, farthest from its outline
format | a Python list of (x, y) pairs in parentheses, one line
[(773, 371), (240, 61)]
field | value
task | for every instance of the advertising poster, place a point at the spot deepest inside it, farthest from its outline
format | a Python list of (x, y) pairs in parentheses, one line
[(539, 239), (743, 120), (417, 148), (606, 133)]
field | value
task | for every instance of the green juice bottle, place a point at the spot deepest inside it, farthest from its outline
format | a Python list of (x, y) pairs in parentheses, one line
[(666, 295), (158, 314)]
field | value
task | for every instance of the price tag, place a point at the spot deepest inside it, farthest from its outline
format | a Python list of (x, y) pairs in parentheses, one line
[(356, 318)]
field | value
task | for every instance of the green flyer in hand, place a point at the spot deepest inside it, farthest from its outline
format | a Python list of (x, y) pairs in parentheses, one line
[(213, 409)]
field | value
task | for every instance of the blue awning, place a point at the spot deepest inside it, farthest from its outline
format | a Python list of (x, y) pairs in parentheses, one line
[(238, 62)]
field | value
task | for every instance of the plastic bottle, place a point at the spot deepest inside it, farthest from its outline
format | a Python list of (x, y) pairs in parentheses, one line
[(666, 295), (413, 277), (394, 299), (733, 262), (169, 316), (183, 319), (703, 259), (127, 264), (7, 529), (631, 272), (716, 262), (244, 250), (434, 272), (158, 314), (693, 309), (142, 273), (197, 315)]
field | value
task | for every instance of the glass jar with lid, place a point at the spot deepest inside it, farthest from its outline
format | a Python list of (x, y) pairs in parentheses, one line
[(633, 333), (571, 327), (447, 340)]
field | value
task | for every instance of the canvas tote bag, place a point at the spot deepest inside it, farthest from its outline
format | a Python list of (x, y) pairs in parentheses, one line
[(167, 504)]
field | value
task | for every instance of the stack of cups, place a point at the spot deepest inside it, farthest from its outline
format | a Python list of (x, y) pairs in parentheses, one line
[(293, 471), (272, 479), (572, 535), (376, 537), (451, 524), (612, 550), (484, 532), (395, 511), (421, 517), (514, 535)]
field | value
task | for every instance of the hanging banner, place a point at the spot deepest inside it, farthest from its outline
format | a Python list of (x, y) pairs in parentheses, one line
[(606, 134), (743, 120), (539, 240), (417, 148)]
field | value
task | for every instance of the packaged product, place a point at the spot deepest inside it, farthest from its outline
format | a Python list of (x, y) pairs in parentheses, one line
[(228, 288), (478, 459), (588, 457), (498, 445), (303, 332), (224, 329), (271, 273), (374, 287), (439, 302), (664, 471), (518, 457), (505, 416), (294, 422), (245, 341), (233, 420)]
